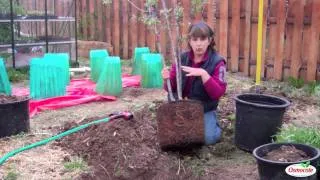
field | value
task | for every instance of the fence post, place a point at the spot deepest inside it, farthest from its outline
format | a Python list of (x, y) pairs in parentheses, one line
[(125, 36), (116, 28), (107, 28), (281, 24), (223, 32), (142, 32), (234, 36), (314, 44), (186, 22), (247, 38), (297, 39)]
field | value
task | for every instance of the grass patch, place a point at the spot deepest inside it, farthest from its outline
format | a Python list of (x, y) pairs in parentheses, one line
[(313, 88), (297, 83), (197, 167), (12, 175), (309, 136), (76, 164)]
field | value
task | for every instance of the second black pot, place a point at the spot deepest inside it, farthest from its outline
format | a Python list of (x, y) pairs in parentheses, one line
[(276, 170)]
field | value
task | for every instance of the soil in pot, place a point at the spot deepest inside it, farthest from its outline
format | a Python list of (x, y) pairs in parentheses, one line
[(287, 153), (273, 159), (5, 99)]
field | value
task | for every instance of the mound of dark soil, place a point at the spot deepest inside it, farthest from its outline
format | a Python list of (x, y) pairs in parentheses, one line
[(123, 149)]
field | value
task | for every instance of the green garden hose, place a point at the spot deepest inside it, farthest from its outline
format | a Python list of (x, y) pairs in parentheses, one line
[(45, 141)]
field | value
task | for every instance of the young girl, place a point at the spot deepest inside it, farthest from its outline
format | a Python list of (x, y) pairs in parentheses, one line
[(203, 76)]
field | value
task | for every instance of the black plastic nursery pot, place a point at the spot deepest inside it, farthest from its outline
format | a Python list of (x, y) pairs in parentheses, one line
[(258, 118), (14, 117), (276, 170)]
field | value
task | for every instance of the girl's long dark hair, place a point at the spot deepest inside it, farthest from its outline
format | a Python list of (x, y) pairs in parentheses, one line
[(202, 30)]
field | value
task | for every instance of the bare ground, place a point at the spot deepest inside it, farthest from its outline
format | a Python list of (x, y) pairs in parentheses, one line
[(221, 161)]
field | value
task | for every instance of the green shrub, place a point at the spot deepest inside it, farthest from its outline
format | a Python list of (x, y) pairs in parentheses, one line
[(5, 7), (313, 88), (297, 83), (17, 75), (303, 135)]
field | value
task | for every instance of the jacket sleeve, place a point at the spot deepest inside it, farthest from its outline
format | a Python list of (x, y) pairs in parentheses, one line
[(216, 86)]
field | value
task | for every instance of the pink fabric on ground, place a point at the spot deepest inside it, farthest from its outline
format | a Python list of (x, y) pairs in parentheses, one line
[(79, 91)]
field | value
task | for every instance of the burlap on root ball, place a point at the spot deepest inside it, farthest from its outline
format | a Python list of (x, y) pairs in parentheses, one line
[(180, 124)]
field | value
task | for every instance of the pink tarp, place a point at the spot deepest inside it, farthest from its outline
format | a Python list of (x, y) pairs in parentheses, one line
[(79, 91)]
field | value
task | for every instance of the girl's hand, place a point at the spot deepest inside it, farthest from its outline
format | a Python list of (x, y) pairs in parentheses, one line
[(165, 73), (194, 71)]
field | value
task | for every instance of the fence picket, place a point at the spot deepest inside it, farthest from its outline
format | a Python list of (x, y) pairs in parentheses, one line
[(125, 29), (223, 32), (234, 36), (314, 43), (116, 28), (281, 20), (297, 38)]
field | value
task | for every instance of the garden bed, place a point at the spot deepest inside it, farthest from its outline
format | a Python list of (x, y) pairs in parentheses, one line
[(129, 149)]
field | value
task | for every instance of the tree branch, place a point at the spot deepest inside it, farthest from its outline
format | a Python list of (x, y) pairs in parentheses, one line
[(174, 52)]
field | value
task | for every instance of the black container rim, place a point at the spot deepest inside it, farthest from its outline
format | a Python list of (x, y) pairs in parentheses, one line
[(286, 102), (285, 163), (26, 98)]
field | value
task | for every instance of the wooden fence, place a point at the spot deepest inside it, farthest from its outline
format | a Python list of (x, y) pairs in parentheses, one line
[(291, 32), (63, 8)]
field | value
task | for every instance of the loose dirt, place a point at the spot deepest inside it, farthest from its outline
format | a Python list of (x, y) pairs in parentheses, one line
[(5, 99), (287, 154)]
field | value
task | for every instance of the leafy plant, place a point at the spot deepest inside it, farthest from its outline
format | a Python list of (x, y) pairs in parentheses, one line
[(297, 83), (5, 7), (5, 33), (306, 164), (151, 3), (5, 28), (5, 55), (313, 88), (197, 5), (309, 136), (17, 75)]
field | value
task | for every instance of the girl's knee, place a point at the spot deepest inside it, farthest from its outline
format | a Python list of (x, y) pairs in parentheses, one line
[(213, 137)]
